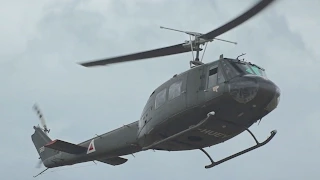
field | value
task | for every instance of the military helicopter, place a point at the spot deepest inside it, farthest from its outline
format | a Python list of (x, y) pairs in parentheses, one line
[(207, 104)]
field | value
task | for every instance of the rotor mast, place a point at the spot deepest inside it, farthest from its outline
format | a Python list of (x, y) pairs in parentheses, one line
[(195, 43)]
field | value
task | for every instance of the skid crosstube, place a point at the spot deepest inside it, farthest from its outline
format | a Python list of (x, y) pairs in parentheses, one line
[(273, 133)]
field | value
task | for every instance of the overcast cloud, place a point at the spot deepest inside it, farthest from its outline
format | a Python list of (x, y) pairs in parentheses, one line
[(41, 43)]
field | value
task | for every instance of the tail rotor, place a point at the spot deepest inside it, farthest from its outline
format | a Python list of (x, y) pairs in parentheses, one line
[(44, 128), (41, 118)]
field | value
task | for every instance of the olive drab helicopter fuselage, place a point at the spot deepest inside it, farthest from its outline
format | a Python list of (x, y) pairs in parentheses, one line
[(238, 92), (206, 105)]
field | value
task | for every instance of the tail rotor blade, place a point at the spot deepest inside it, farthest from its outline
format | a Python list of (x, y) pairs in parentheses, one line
[(41, 118)]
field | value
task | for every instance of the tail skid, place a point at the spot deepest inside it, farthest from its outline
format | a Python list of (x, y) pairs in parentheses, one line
[(41, 172)]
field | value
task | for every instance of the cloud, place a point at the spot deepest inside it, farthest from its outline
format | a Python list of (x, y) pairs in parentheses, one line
[(41, 44)]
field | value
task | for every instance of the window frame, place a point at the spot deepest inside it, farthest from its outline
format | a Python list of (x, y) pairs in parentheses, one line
[(156, 98), (179, 85), (214, 66)]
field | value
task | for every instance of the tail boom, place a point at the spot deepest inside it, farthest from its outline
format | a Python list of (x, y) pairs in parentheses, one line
[(105, 148)]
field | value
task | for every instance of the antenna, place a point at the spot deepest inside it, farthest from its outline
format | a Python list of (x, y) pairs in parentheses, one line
[(240, 56), (42, 120), (195, 43)]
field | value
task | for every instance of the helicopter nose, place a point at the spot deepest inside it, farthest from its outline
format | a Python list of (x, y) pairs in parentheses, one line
[(275, 99), (255, 89)]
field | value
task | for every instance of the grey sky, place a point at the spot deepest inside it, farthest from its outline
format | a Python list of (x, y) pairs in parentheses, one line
[(42, 42)]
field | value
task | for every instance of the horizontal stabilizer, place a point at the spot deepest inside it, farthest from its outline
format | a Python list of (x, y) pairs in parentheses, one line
[(113, 161), (66, 147)]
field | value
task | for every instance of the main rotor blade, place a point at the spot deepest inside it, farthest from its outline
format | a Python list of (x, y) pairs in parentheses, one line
[(170, 50), (179, 48), (239, 20)]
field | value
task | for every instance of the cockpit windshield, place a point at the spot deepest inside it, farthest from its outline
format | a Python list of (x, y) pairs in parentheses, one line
[(247, 68)]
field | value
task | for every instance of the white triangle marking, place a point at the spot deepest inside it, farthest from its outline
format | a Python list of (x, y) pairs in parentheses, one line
[(91, 147)]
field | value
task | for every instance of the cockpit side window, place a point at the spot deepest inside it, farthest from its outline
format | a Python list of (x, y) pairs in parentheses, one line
[(229, 70), (160, 98)]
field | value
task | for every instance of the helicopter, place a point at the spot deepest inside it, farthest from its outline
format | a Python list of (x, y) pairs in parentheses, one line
[(203, 106)]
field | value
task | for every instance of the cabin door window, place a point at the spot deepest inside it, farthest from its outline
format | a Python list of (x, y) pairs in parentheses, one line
[(174, 90), (213, 76), (160, 98)]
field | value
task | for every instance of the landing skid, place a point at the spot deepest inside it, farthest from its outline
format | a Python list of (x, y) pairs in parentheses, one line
[(213, 163), (273, 133)]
